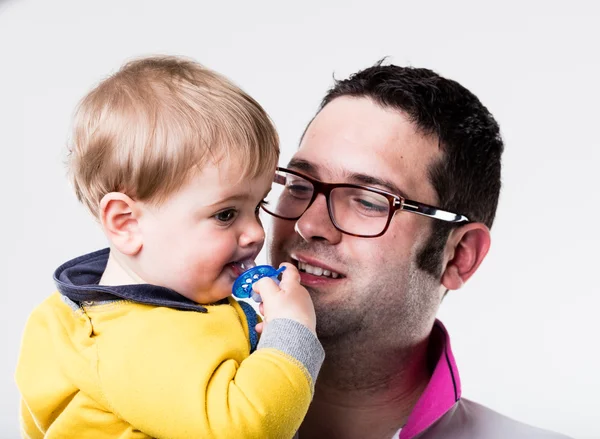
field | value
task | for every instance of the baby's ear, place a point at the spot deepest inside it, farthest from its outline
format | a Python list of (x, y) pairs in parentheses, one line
[(119, 217)]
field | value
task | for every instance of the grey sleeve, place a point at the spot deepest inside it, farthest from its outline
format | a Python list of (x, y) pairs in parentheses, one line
[(295, 340)]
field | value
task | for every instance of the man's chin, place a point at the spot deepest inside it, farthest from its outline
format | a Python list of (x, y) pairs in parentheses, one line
[(333, 324), (326, 300)]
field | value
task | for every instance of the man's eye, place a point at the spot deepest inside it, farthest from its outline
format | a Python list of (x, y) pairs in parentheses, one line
[(371, 206), (226, 216), (300, 191)]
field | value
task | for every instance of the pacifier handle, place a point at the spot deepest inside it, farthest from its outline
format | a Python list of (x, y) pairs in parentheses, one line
[(242, 287)]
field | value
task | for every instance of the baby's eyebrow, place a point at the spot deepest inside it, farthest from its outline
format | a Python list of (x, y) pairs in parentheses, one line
[(236, 197)]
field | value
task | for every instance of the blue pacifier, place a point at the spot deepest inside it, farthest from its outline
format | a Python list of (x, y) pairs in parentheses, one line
[(242, 287)]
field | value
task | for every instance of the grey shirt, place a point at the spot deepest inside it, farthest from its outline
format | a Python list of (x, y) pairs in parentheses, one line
[(469, 420), (442, 413)]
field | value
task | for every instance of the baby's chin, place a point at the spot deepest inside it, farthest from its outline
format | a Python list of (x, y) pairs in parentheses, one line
[(218, 292)]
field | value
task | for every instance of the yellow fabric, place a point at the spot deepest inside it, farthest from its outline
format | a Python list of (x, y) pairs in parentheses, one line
[(126, 370)]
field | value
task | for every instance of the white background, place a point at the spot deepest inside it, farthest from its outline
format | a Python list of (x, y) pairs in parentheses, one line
[(523, 330)]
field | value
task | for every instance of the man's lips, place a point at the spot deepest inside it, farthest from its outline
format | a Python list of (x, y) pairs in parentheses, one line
[(314, 271), (311, 280)]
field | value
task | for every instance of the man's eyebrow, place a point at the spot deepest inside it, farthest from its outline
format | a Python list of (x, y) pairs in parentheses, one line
[(303, 165), (369, 180), (353, 177)]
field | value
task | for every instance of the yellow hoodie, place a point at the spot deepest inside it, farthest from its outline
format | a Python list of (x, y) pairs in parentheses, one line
[(121, 369)]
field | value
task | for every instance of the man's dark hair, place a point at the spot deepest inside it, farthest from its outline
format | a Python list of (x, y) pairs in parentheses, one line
[(467, 178)]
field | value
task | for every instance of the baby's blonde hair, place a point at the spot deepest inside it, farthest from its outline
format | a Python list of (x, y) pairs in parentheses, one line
[(144, 129)]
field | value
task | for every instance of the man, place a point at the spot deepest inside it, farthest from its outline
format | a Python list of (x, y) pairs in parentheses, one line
[(418, 159)]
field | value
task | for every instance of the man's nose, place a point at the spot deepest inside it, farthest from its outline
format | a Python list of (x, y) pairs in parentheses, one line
[(315, 223)]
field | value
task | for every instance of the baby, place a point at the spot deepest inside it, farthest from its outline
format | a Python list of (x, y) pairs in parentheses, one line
[(143, 339)]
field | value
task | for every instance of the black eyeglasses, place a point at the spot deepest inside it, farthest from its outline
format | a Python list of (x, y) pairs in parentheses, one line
[(355, 210)]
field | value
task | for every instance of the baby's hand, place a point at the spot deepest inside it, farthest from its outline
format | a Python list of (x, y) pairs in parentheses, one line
[(289, 300)]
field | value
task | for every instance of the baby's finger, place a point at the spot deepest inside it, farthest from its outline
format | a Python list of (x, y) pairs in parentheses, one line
[(266, 287), (291, 275), (259, 327)]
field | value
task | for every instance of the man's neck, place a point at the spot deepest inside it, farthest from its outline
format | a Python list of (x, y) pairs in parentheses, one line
[(366, 394)]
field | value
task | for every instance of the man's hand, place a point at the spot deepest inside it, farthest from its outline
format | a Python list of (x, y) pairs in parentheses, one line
[(289, 300)]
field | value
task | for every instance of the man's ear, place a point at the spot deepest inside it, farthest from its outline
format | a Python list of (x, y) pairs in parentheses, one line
[(119, 216), (467, 247)]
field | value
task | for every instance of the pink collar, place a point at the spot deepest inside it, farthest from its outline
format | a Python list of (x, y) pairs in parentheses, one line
[(443, 390)]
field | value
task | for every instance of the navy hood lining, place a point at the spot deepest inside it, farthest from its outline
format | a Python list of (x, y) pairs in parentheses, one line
[(78, 280)]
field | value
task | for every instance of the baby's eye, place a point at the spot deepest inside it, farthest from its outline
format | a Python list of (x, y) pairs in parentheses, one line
[(262, 203), (226, 216)]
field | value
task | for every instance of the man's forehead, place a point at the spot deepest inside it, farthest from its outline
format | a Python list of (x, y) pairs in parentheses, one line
[(357, 136), (359, 119)]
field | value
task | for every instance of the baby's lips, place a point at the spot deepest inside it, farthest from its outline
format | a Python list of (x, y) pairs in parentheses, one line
[(246, 264), (240, 266)]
